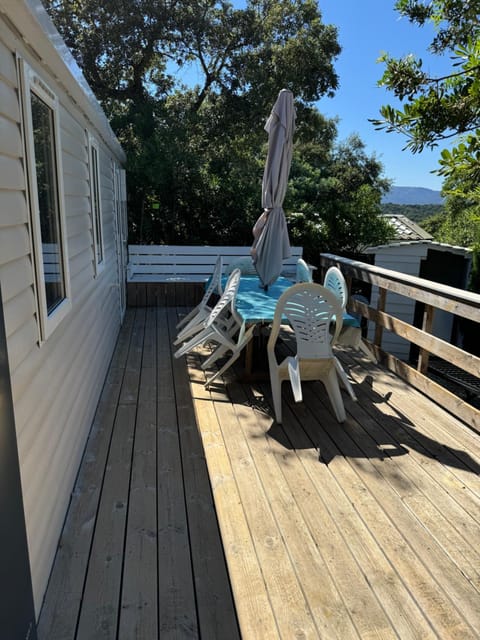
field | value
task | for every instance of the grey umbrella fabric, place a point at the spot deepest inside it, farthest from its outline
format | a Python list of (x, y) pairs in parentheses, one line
[(271, 243)]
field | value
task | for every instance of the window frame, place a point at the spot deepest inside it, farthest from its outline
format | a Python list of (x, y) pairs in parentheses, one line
[(32, 82), (96, 204)]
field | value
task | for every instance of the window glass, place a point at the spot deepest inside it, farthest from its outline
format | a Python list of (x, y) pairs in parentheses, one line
[(47, 190), (97, 212)]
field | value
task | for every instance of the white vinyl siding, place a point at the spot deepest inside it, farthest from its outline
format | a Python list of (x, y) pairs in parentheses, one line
[(406, 259), (55, 385)]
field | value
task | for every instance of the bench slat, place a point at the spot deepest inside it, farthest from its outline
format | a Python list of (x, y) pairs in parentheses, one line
[(182, 263), (165, 249)]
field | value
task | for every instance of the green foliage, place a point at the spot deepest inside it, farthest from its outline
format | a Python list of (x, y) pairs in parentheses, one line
[(415, 212), (337, 200), (435, 109), (196, 155), (458, 230)]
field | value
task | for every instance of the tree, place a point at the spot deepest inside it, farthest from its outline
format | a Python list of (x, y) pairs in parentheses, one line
[(438, 109), (337, 197), (125, 46), (195, 155)]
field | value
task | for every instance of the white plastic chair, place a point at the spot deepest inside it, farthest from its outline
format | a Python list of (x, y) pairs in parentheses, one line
[(224, 327), (351, 334), (192, 322), (245, 265), (311, 311), (335, 281), (304, 273)]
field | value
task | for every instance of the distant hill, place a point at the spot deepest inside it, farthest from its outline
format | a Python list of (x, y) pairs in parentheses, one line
[(412, 195)]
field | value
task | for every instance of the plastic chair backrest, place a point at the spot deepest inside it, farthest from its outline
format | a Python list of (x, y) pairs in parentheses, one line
[(245, 265), (215, 282), (217, 275), (227, 298), (303, 272), (335, 282), (310, 309)]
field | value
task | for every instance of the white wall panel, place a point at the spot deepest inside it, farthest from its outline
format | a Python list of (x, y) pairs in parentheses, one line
[(14, 208), (11, 171), (55, 384), (8, 71), (14, 242), (10, 134), (15, 276)]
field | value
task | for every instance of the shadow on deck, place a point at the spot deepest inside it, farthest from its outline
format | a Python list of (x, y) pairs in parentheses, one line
[(196, 515)]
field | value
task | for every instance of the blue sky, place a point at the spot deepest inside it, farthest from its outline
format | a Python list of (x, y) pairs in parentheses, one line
[(367, 28)]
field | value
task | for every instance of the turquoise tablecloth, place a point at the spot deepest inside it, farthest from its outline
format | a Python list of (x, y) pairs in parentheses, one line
[(255, 305)]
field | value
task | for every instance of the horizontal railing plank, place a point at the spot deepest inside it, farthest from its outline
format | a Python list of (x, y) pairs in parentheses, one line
[(442, 296), (434, 295)]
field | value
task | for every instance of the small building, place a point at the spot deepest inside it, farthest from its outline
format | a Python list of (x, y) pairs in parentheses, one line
[(414, 252), (62, 265)]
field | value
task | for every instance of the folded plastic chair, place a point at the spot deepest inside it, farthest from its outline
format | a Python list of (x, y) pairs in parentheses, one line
[(351, 334), (192, 322), (313, 312), (304, 273), (223, 327)]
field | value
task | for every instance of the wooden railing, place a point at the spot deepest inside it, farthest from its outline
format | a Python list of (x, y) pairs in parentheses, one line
[(434, 296)]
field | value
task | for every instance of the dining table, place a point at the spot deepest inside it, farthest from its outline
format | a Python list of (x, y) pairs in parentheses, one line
[(256, 304)]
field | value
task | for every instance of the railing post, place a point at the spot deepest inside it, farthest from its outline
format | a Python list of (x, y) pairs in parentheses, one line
[(382, 297), (427, 324)]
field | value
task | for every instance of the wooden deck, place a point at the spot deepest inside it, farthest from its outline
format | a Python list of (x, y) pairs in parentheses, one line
[(196, 516)]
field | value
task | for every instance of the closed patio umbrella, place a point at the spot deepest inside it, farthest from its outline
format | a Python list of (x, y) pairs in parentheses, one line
[(271, 243)]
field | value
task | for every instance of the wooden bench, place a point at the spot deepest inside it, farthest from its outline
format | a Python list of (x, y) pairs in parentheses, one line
[(174, 275)]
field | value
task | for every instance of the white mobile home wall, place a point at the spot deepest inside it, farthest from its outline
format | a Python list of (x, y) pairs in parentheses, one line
[(406, 257), (56, 382)]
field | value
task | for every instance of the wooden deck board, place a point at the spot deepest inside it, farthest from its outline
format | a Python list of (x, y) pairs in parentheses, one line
[(413, 516), (215, 611), (139, 602), (351, 537), (62, 603), (140, 555), (194, 509)]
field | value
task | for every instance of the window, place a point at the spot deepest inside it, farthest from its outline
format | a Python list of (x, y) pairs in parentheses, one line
[(96, 204), (46, 200)]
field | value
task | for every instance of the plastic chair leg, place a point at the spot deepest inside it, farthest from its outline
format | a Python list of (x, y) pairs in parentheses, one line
[(276, 385), (344, 379), (226, 366), (333, 390), (363, 347), (294, 375), (200, 338), (214, 356), (237, 350)]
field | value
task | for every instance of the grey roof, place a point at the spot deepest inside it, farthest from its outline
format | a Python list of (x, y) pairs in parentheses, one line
[(406, 229), (438, 246)]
